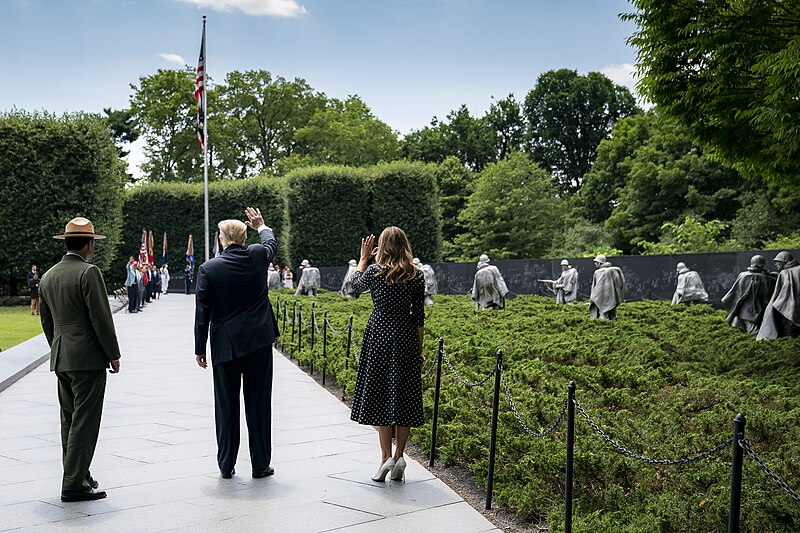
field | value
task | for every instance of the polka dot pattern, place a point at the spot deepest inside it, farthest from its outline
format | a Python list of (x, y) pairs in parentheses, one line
[(388, 384)]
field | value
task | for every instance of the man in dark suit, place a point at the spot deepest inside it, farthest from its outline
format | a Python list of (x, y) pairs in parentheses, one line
[(232, 297), (77, 322)]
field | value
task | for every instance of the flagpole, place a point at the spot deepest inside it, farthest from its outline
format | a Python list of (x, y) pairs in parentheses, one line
[(205, 133)]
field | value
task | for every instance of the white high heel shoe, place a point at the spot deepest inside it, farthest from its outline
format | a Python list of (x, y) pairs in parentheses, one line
[(384, 469), (399, 470)]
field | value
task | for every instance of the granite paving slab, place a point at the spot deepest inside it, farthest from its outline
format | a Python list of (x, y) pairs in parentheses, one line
[(156, 455)]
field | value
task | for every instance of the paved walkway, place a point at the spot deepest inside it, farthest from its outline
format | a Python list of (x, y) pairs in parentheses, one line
[(157, 457)]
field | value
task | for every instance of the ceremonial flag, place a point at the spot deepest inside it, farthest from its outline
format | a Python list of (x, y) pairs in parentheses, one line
[(143, 248), (164, 256), (190, 252), (150, 244), (200, 91), (216, 244)]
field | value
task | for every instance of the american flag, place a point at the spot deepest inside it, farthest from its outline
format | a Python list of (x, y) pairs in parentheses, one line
[(143, 248), (200, 90)]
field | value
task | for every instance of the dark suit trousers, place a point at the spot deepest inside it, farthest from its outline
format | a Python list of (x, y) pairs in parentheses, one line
[(133, 297), (253, 373), (80, 395)]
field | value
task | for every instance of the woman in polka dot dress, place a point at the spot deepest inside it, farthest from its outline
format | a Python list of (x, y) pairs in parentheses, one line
[(388, 385)]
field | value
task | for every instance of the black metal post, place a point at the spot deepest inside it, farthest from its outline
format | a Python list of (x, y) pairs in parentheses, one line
[(493, 440), (435, 422), (285, 313), (313, 327), (324, 345), (299, 332), (736, 474), (570, 450), (349, 342), (294, 321)]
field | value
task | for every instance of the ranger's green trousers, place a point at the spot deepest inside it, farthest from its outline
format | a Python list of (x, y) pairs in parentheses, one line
[(80, 395)]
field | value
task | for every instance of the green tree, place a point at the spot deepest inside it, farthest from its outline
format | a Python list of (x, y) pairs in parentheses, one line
[(567, 115), (729, 72), (472, 140), (261, 116), (59, 168), (768, 212), (165, 110), (346, 133), (690, 236), (666, 179), (505, 119), (456, 182), (513, 213), (123, 128)]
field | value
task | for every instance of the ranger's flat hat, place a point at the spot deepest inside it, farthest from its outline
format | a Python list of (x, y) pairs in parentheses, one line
[(79, 227)]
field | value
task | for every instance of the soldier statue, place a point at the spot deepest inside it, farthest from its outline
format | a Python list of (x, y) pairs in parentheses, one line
[(566, 286), (347, 283), (431, 287), (608, 289), (748, 297), (690, 287), (489, 289), (309, 280), (782, 315)]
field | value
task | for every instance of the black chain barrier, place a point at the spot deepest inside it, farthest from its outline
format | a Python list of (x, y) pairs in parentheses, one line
[(461, 379), (665, 462), (528, 430), (749, 451), (333, 330), (740, 444)]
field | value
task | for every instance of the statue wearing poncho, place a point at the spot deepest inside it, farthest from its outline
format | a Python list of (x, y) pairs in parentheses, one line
[(489, 289), (749, 296), (690, 287), (608, 290), (782, 315), (309, 280), (273, 279), (347, 283), (566, 286), (431, 287)]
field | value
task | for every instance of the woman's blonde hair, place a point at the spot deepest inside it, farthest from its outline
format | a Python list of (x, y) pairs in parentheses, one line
[(394, 256), (232, 232)]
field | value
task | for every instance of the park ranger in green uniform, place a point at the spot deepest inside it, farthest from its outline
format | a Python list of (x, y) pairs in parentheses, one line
[(77, 322)]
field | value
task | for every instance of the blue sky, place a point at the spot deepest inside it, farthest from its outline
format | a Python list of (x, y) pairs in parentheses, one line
[(408, 59)]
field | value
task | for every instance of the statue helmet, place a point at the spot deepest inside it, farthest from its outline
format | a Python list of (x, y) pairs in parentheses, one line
[(305, 263), (681, 268), (784, 257), (416, 261), (758, 260), (600, 258), (352, 262), (564, 262), (484, 258)]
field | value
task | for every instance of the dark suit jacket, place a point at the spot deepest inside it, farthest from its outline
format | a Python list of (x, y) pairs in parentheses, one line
[(232, 297), (76, 317)]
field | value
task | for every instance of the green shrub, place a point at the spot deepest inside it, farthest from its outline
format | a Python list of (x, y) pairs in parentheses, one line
[(53, 169), (664, 381), (405, 194), (327, 214), (177, 209)]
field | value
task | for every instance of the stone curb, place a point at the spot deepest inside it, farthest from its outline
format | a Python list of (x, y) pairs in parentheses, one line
[(18, 360)]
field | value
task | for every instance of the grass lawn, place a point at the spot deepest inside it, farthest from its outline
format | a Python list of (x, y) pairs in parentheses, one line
[(17, 325)]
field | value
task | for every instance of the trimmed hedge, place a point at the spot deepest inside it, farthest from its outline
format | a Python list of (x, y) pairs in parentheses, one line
[(329, 209), (177, 208), (53, 169), (327, 214), (405, 194)]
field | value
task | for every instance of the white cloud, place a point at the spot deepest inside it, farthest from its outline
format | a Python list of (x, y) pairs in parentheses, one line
[(272, 8), (173, 58), (625, 74)]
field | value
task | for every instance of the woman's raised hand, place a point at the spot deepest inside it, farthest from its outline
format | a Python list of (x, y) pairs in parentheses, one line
[(367, 250)]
